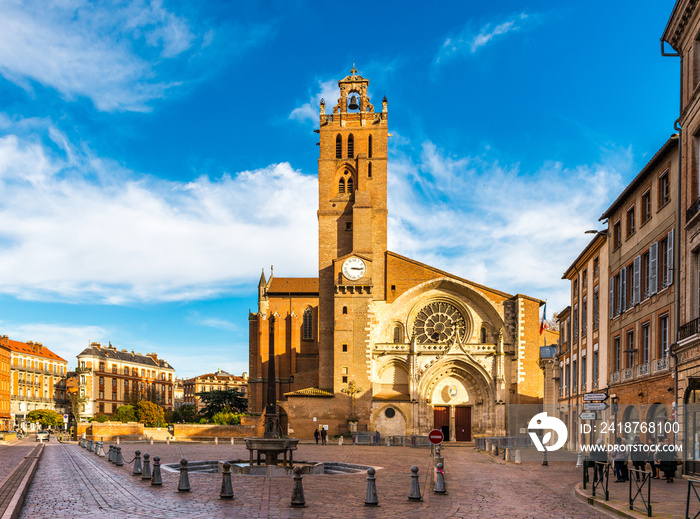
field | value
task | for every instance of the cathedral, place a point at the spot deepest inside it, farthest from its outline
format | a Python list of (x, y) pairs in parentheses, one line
[(378, 341)]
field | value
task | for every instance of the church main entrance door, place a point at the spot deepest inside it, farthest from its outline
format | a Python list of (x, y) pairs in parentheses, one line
[(463, 424), (441, 420)]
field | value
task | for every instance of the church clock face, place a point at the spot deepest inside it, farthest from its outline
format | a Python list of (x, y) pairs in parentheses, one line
[(354, 268), (438, 323)]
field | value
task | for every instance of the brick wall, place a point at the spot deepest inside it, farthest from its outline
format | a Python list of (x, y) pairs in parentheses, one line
[(211, 431)]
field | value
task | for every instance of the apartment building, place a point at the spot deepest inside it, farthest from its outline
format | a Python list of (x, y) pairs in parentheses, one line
[(682, 35), (37, 380), (212, 382), (642, 293), (584, 337), (6, 422), (108, 378)]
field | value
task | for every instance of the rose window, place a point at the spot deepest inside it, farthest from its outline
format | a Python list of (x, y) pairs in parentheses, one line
[(438, 322)]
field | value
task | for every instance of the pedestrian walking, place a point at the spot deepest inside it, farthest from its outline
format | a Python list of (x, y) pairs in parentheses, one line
[(317, 435), (638, 456), (667, 459), (599, 455), (650, 458), (324, 433), (620, 460)]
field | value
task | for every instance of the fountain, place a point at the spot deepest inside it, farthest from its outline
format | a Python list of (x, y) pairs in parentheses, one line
[(271, 445)]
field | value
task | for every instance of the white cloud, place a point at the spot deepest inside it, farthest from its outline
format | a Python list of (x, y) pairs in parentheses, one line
[(109, 52), (65, 340), (467, 41), (328, 91), (494, 225), (74, 227)]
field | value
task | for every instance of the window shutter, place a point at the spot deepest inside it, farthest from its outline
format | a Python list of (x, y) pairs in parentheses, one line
[(653, 267), (669, 262), (618, 310), (623, 289), (611, 298), (636, 277)]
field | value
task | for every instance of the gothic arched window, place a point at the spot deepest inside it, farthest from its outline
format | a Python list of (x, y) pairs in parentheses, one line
[(398, 333), (369, 147), (350, 185), (338, 147), (351, 146), (307, 327), (483, 335), (341, 185)]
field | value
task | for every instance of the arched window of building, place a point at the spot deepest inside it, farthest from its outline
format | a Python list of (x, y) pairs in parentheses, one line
[(369, 170), (341, 185), (345, 310), (350, 185), (398, 333), (369, 147), (307, 327), (338, 147), (351, 146), (483, 334)]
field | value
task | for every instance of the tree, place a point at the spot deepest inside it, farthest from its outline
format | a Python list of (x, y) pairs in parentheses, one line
[(186, 413), (222, 400), (45, 417), (125, 413), (227, 418), (149, 413)]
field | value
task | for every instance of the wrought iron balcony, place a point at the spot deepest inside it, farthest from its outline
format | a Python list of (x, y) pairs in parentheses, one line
[(689, 329)]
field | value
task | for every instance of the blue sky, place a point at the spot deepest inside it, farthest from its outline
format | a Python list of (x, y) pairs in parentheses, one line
[(155, 156)]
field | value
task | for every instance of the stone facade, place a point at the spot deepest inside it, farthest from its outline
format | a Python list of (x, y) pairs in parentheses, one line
[(379, 341)]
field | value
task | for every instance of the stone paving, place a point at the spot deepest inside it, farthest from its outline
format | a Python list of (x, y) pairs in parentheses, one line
[(72, 482)]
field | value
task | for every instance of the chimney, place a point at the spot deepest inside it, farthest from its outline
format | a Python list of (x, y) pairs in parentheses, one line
[(153, 356)]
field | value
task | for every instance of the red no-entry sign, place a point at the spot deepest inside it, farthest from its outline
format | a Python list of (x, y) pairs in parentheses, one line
[(436, 437)]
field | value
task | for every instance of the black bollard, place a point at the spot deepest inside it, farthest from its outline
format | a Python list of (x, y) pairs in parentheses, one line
[(495, 453), (110, 458), (440, 480), (137, 464), (226, 487), (414, 494), (146, 473), (371, 498), (89, 447), (184, 484), (118, 460), (298, 490), (155, 478)]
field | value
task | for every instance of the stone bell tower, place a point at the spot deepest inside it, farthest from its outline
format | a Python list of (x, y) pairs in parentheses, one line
[(352, 221)]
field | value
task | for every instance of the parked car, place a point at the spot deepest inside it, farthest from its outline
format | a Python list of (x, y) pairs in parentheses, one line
[(42, 436)]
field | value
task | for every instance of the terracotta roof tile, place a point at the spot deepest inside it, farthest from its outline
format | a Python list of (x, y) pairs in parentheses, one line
[(36, 349), (293, 286)]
